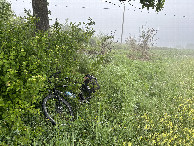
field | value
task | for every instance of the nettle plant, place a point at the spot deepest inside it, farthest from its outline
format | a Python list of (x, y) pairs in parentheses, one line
[(141, 46)]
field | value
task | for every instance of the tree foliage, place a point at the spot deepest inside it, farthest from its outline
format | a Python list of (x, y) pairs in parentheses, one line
[(154, 4)]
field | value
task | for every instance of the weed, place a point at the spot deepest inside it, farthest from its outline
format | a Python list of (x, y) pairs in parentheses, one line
[(141, 46)]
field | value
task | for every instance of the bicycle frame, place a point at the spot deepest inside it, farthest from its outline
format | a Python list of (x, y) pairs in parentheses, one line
[(80, 95), (61, 105)]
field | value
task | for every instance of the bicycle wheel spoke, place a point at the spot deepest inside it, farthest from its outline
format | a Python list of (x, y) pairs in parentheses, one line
[(59, 112)]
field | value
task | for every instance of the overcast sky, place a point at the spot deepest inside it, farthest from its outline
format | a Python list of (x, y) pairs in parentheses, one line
[(175, 22)]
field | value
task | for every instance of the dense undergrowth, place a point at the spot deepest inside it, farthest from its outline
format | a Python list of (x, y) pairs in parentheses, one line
[(140, 102)]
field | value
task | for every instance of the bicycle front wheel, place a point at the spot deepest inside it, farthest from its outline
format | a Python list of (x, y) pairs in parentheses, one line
[(57, 110)]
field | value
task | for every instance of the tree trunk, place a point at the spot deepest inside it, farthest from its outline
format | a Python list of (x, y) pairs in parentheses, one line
[(40, 11)]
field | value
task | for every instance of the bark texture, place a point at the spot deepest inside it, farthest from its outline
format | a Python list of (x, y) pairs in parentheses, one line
[(40, 11)]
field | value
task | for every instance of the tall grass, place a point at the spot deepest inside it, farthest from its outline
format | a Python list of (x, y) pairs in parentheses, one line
[(145, 101), (140, 103)]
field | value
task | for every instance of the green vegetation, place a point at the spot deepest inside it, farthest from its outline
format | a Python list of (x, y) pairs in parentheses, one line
[(141, 101)]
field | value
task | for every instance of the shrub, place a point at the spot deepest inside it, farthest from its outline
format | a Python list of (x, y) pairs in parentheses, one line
[(27, 58), (141, 46), (5, 10)]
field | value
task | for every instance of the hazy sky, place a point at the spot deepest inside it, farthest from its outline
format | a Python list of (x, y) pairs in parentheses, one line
[(175, 22)]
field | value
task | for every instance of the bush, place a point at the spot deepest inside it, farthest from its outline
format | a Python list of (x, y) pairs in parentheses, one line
[(141, 46), (26, 60), (5, 10)]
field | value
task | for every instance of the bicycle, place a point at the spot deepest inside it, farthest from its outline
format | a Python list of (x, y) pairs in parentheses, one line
[(56, 107)]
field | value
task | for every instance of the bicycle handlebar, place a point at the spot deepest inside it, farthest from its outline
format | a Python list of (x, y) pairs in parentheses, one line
[(54, 74), (85, 84)]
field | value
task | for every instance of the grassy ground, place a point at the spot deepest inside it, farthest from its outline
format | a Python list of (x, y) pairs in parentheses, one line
[(140, 103)]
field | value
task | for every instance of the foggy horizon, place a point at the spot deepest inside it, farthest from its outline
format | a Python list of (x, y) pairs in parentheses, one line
[(174, 23)]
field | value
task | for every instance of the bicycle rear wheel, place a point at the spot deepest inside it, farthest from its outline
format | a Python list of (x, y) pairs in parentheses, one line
[(57, 110)]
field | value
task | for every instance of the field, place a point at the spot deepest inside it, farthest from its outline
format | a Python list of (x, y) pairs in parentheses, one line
[(139, 103), (142, 100)]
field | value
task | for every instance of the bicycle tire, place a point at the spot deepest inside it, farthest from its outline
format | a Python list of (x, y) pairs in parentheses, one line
[(51, 111)]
